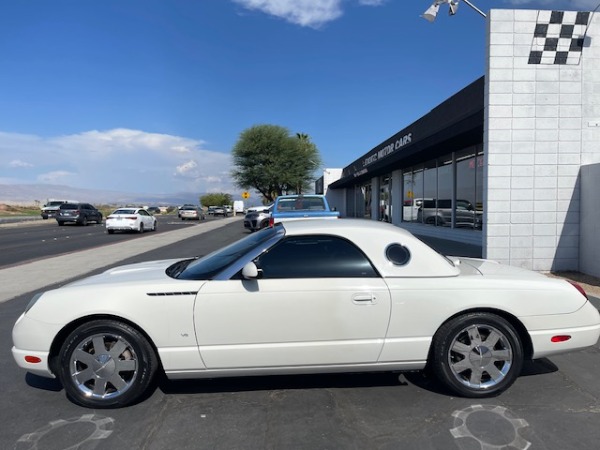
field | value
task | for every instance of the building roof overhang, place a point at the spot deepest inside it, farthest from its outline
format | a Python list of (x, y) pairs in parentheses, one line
[(454, 124)]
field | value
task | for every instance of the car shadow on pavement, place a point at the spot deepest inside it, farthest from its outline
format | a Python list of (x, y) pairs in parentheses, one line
[(419, 379), (46, 384), (279, 382), (540, 366)]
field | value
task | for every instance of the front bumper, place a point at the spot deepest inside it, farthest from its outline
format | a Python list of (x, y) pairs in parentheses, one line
[(30, 334)]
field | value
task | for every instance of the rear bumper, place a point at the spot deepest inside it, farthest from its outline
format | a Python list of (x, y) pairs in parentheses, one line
[(582, 327)]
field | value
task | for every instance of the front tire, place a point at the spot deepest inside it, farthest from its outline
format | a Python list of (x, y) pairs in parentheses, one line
[(106, 364), (477, 355)]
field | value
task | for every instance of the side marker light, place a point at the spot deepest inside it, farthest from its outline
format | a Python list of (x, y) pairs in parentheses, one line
[(33, 359), (560, 338)]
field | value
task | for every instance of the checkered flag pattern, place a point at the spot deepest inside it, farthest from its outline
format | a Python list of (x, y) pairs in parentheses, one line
[(559, 37)]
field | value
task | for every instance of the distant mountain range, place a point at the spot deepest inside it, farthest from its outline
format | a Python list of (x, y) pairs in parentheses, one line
[(39, 194)]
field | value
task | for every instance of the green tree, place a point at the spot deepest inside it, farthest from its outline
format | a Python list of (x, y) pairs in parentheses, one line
[(216, 199), (273, 162)]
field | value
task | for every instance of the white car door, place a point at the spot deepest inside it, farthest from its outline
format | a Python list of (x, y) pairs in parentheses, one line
[(319, 302), (147, 219)]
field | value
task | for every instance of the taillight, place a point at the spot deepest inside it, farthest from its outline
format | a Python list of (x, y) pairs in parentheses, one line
[(579, 288), (271, 221), (131, 218)]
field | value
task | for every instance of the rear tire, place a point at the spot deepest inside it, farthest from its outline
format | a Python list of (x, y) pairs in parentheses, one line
[(141, 229), (477, 355), (106, 364)]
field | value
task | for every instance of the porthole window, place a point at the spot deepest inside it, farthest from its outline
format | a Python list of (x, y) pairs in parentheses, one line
[(398, 254)]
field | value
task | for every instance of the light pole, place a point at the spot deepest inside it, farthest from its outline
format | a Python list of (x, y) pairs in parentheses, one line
[(433, 10)]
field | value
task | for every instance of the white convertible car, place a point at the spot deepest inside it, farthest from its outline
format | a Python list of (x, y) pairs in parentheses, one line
[(302, 297)]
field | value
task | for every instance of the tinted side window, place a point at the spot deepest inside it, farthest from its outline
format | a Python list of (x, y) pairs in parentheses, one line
[(315, 257)]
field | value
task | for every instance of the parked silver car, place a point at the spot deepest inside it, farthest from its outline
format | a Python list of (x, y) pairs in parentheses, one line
[(439, 212)]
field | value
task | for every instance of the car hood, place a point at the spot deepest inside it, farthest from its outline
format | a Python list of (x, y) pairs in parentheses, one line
[(150, 271)]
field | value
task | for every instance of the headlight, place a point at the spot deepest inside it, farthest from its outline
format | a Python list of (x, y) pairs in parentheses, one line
[(33, 301)]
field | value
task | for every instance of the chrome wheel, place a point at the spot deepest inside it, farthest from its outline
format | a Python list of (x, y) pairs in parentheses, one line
[(103, 366), (477, 354), (480, 356), (106, 364)]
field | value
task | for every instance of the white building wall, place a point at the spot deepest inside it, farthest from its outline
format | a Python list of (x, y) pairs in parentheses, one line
[(540, 127), (590, 220)]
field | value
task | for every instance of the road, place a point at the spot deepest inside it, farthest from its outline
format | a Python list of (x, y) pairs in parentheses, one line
[(29, 241), (553, 405)]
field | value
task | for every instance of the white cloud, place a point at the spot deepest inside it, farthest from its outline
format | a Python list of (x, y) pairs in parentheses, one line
[(316, 13), (306, 13), (120, 159), (372, 2), (18, 163), (56, 177)]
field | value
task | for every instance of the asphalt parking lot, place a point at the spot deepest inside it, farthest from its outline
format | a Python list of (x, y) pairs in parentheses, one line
[(553, 405)]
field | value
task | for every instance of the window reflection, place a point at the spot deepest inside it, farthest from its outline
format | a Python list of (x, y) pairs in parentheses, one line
[(433, 196), (366, 206), (385, 198)]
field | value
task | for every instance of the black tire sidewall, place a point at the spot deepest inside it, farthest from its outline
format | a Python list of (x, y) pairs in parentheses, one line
[(443, 340), (146, 358)]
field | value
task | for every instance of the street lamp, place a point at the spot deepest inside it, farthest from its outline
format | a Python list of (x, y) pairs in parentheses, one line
[(433, 10)]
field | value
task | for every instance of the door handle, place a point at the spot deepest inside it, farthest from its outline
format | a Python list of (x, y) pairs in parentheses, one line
[(364, 299)]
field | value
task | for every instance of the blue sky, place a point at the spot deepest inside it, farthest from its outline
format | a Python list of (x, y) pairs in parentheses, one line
[(151, 95)]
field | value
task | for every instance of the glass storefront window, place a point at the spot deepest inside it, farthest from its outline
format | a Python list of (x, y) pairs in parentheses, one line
[(428, 210), (413, 194), (385, 198), (479, 188), (366, 194), (447, 191), (466, 215), (351, 199)]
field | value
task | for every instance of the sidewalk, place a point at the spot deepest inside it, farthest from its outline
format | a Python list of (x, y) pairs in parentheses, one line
[(36, 275)]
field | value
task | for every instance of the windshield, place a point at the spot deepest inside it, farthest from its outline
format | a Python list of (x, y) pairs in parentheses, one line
[(210, 265)]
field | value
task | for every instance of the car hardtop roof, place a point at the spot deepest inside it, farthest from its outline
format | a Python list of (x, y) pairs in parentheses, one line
[(315, 225), (377, 236)]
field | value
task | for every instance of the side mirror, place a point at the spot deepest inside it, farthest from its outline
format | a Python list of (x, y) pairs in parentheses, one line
[(250, 271)]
